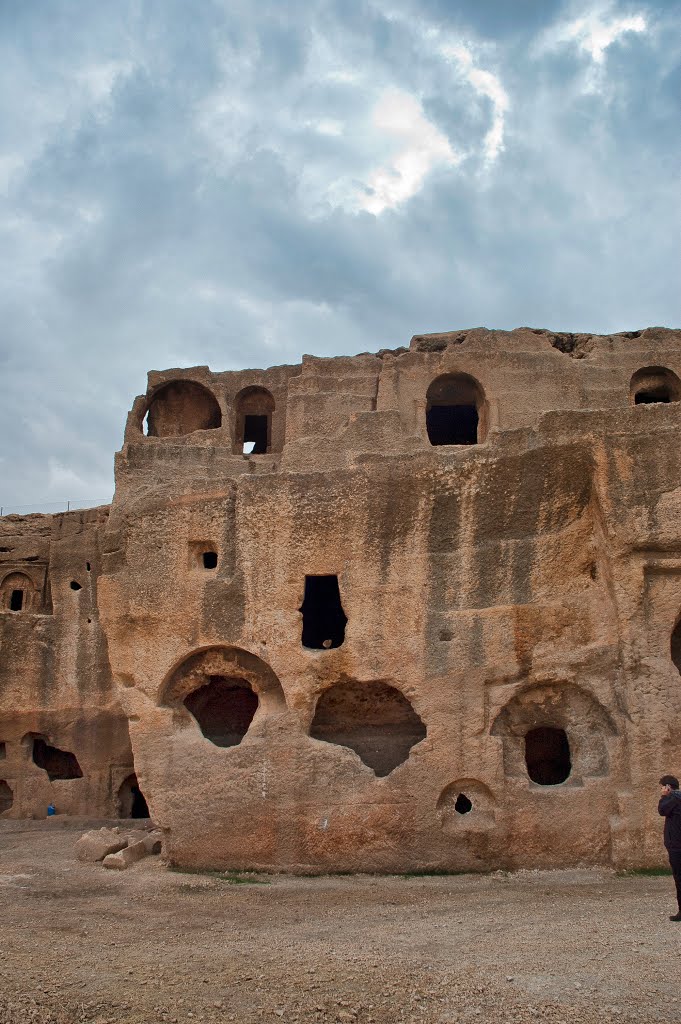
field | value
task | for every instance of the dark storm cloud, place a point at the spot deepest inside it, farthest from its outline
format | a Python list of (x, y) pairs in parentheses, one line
[(228, 184)]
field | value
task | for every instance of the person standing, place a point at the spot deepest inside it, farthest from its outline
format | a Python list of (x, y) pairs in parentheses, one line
[(670, 809)]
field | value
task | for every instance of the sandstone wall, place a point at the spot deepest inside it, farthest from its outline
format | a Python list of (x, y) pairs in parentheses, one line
[(355, 649), (63, 736), (528, 582)]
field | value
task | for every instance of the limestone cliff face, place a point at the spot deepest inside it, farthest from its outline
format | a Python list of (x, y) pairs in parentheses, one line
[(389, 612)]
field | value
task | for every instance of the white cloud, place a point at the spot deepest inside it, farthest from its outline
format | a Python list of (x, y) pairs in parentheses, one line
[(592, 33), (488, 85), (400, 115)]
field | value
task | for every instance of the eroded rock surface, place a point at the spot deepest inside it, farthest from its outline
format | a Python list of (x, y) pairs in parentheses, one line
[(384, 612)]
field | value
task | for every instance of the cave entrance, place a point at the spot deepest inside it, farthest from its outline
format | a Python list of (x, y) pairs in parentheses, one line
[(6, 796), (547, 756), (373, 719), (223, 708), (16, 601), (59, 764), (131, 800), (324, 620)]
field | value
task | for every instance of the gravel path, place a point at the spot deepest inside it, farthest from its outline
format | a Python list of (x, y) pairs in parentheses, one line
[(81, 944)]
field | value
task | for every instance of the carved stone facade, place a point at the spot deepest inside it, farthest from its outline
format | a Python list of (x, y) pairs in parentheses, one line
[(402, 611)]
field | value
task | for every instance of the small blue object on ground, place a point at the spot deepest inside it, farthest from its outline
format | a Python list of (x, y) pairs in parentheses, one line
[(51, 809)]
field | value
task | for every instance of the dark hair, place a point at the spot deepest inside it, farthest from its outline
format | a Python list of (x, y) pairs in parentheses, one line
[(669, 780)]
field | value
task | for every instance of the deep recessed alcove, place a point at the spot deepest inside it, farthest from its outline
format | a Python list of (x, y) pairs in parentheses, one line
[(373, 719)]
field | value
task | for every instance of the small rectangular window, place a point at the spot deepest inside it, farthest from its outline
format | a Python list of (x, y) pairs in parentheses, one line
[(323, 617), (16, 601)]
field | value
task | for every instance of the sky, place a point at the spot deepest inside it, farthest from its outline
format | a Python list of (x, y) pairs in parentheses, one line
[(235, 184)]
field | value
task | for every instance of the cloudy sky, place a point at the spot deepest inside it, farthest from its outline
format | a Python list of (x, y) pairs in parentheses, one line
[(237, 183)]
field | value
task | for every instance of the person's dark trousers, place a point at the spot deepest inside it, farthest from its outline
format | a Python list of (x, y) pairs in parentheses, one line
[(675, 862)]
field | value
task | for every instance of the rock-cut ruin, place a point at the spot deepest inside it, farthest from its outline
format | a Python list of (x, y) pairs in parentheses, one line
[(411, 610)]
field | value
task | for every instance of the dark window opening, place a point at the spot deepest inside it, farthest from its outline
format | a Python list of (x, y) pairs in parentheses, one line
[(131, 801), (210, 559), (323, 617), (16, 601), (6, 796), (652, 396), (373, 719), (88, 566), (224, 709), (547, 756), (452, 424), (3, 751), (463, 805), (59, 764), (256, 429), (75, 585)]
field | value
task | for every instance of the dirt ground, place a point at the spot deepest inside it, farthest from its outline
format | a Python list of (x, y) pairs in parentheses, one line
[(79, 943)]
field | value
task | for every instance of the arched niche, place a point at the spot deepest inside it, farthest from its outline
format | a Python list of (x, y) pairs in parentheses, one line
[(18, 593), (253, 408), (553, 733), (373, 719), (456, 410), (181, 407), (654, 384), (224, 690), (466, 804)]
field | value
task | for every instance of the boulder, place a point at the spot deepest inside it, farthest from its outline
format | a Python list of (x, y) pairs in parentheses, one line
[(124, 858), (98, 844)]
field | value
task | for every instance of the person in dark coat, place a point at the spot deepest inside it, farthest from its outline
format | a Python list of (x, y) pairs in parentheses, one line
[(670, 808)]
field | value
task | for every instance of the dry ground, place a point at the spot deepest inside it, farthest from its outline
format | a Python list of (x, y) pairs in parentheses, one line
[(79, 943)]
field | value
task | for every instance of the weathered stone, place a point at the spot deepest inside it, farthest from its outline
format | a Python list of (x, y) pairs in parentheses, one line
[(95, 846), (124, 858), (383, 612), (153, 842)]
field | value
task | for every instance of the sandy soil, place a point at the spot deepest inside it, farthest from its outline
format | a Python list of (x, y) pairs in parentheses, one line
[(79, 943)]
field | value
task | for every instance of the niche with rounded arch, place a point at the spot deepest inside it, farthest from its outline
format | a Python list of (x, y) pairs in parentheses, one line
[(6, 796), (373, 719), (555, 734), (654, 384), (456, 410), (18, 593), (223, 689), (181, 407), (254, 407), (466, 805)]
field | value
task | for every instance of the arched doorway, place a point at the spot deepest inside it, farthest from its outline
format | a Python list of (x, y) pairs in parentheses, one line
[(131, 800), (456, 410)]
